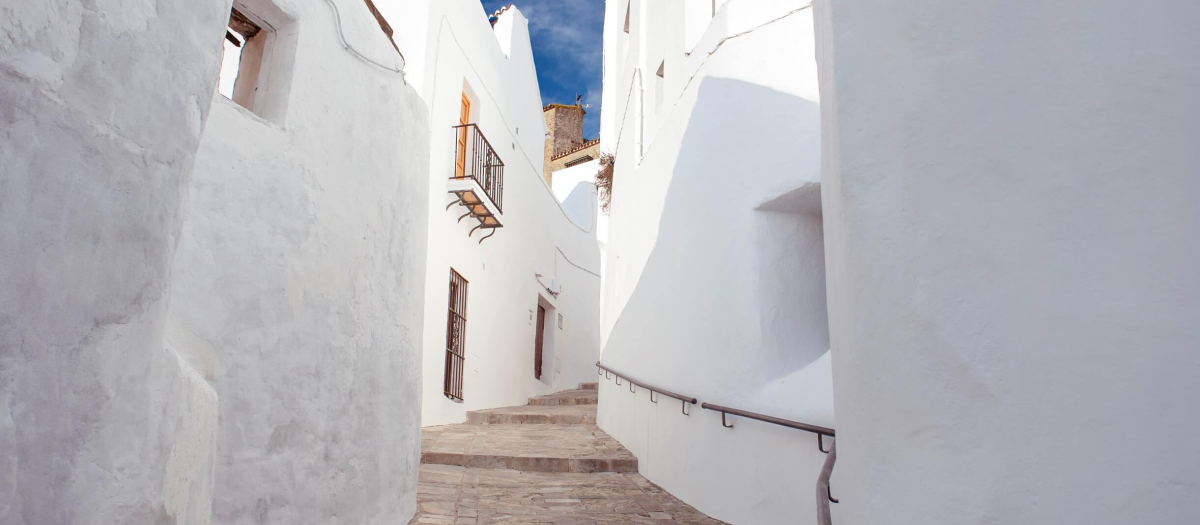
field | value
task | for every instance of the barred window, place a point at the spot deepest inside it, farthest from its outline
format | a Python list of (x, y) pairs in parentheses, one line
[(456, 331)]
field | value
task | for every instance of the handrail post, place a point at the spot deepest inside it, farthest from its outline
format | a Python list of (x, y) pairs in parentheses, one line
[(823, 494), (652, 388)]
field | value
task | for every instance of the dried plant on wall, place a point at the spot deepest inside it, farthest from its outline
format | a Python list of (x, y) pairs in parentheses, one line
[(604, 181)]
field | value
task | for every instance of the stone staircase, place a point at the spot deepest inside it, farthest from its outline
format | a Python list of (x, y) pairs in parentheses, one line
[(535, 415), (553, 433), (569, 397)]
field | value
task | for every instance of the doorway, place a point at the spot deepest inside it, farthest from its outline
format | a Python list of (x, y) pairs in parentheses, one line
[(539, 341), (464, 118), (541, 319)]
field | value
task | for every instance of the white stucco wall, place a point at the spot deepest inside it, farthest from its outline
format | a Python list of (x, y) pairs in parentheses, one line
[(299, 283), (714, 275), (1013, 293), (100, 422), (410, 22), (538, 237), (575, 188)]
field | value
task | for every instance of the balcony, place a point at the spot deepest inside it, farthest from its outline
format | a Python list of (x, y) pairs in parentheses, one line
[(478, 178)]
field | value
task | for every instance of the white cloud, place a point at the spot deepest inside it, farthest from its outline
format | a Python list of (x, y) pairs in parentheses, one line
[(567, 39), (570, 28)]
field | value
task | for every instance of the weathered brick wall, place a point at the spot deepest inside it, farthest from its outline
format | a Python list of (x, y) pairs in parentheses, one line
[(565, 125), (555, 164), (567, 130)]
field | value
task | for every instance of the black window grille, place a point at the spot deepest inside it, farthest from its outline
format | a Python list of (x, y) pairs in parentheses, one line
[(456, 331)]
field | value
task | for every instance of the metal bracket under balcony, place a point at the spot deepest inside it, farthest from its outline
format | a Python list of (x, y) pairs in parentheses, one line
[(478, 179)]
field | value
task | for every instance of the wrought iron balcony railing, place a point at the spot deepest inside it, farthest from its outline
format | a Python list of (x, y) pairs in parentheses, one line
[(474, 158)]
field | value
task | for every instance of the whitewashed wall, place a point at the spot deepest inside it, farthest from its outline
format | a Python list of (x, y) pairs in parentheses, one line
[(100, 422), (410, 19), (1011, 201), (299, 283), (714, 277), (575, 188), (538, 236)]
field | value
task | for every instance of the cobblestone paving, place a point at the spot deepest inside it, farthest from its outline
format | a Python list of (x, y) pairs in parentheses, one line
[(546, 463), (451, 495)]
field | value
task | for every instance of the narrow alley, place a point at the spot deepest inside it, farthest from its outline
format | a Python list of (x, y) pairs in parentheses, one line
[(545, 462), (599, 262)]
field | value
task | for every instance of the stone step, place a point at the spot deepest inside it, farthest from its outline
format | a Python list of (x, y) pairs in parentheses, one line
[(450, 495), (589, 386), (535, 414), (530, 448), (566, 397)]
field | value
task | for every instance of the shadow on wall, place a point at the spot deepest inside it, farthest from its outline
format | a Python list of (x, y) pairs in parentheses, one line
[(719, 261), (581, 207)]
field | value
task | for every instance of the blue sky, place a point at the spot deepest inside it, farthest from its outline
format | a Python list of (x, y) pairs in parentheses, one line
[(566, 37)]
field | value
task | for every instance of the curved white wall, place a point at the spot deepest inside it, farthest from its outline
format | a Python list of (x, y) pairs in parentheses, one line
[(714, 277), (538, 237), (1010, 197), (100, 421), (299, 283), (575, 188)]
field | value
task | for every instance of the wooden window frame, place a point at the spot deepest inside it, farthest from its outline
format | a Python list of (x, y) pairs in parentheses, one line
[(266, 41)]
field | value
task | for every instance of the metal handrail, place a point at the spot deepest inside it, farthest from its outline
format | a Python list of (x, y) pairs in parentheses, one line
[(653, 389), (818, 430), (824, 495)]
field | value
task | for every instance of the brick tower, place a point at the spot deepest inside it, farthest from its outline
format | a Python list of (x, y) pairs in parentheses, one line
[(565, 145)]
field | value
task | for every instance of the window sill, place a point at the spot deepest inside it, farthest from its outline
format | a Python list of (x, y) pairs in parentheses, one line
[(221, 99)]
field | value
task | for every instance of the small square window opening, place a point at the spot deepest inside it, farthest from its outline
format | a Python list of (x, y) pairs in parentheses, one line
[(243, 58), (259, 47)]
